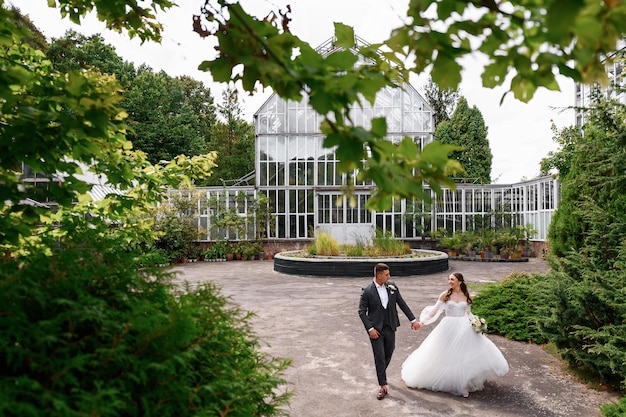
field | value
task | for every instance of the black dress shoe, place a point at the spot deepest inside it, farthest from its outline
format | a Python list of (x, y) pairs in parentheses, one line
[(381, 393)]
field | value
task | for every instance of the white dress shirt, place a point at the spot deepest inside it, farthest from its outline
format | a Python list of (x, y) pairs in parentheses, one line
[(382, 293)]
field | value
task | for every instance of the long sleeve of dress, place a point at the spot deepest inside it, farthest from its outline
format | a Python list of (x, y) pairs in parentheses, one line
[(430, 314)]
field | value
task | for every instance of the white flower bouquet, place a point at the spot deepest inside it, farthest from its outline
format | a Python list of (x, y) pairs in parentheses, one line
[(479, 324)]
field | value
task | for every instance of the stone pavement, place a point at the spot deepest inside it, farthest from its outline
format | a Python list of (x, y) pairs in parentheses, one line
[(314, 321)]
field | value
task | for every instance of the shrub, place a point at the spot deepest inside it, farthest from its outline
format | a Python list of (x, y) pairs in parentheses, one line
[(615, 409), (353, 250), (82, 334), (326, 245), (385, 244), (511, 305), (586, 318)]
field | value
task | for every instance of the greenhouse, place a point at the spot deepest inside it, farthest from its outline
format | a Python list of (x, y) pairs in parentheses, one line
[(304, 186)]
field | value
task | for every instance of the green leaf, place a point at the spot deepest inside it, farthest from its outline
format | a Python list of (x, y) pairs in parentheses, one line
[(446, 71), (495, 73), (379, 127), (523, 88), (75, 83), (342, 60), (344, 35), (408, 149), (436, 153), (560, 19), (221, 69)]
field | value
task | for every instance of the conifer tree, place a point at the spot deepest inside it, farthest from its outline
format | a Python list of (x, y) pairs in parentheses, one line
[(467, 128)]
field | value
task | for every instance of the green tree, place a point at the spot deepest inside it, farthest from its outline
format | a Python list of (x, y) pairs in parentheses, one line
[(233, 140), (163, 121), (467, 129), (202, 104), (83, 331), (75, 51), (35, 38), (591, 215), (585, 313), (169, 116), (443, 101), (559, 162)]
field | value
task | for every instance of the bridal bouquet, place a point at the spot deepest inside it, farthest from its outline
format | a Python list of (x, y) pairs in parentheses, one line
[(479, 324)]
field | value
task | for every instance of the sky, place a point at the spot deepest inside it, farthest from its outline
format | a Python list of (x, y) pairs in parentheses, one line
[(519, 134)]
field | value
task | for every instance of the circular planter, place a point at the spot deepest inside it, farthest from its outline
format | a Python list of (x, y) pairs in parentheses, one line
[(337, 266)]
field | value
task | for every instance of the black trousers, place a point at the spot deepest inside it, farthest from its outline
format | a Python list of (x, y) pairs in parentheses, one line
[(383, 348)]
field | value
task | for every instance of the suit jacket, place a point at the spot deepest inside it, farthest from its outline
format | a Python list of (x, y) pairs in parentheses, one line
[(371, 310)]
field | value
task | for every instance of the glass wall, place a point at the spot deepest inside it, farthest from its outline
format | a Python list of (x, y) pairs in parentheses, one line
[(303, 182), (302, 178), (298, 212)]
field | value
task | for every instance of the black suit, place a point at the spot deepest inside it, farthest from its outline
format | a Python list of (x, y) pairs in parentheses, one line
[(385, 320)]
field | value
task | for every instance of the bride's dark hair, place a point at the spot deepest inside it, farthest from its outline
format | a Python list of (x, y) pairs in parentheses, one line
[(459, 276)]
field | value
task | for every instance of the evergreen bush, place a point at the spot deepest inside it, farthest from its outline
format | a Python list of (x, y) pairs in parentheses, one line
[(82, 334), (510, 306), (584, 312)]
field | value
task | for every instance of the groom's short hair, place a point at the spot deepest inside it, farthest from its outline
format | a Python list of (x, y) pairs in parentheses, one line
[(380, 267)]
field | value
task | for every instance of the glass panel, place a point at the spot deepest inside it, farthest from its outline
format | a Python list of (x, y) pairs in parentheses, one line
[(337, 210), (487, 200), (301, 226), (263, 174), (280, 174), (301, 201), (292, 173), (281, 226), (292, 201), (310, 222), (309, 200), (366, 215), (292, 226), (280, 207)]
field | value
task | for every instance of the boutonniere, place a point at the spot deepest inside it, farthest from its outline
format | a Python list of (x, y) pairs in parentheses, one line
[(391, 288)]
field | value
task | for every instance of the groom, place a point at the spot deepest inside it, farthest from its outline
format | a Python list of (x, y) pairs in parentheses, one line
[(377, 310)]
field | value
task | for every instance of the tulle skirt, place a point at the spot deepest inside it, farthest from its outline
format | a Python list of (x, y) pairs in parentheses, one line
[(454, 358)]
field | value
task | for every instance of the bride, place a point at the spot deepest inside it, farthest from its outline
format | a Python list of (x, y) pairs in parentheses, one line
[(454, 357)]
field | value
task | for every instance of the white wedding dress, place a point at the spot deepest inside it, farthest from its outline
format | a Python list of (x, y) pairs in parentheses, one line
[(453, 358)]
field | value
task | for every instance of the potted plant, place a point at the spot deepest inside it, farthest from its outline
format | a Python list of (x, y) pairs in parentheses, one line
[(529, 232), (208, 255), (451, 243), (229, 251)]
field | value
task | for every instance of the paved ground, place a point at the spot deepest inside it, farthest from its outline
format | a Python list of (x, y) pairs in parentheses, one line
[(314, 321)]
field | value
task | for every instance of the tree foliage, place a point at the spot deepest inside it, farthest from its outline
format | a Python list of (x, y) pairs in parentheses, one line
[(167, 116), (558, 163), (75, 51), (585, 313), (233, 140), (163, 122), (442, 100), (466, 129), (83, 330), (510, 306), (532, 40), (591, 213)]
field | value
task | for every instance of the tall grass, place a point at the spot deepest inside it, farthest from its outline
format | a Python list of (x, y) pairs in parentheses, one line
[(387, 245), (324, 245), (384, 244)]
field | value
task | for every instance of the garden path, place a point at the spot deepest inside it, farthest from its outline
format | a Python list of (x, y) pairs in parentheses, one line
[(314, 321)]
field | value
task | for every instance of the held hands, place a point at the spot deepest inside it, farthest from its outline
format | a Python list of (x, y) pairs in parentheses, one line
[(416, 325)]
